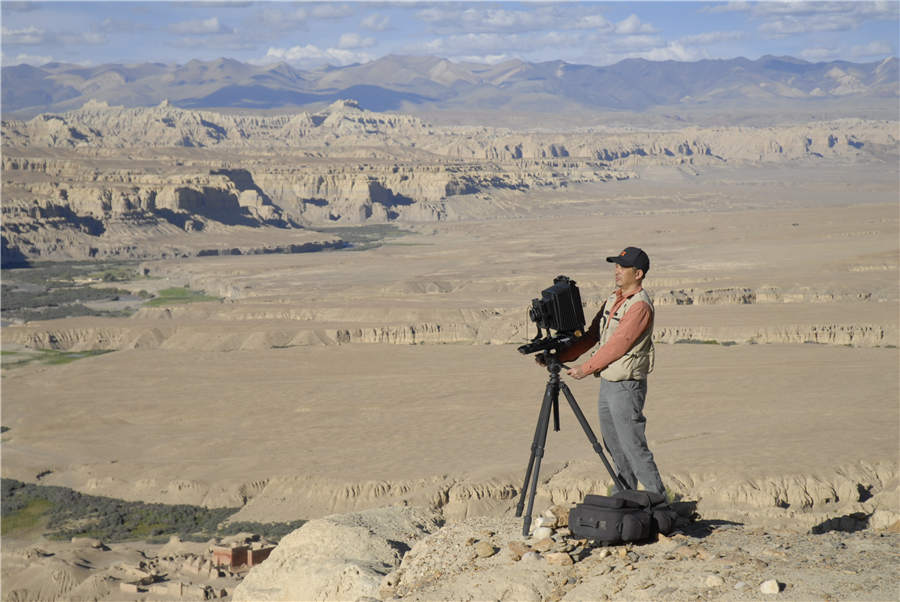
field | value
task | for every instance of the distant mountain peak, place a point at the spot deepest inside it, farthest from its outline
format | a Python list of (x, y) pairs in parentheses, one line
[(401, 82)]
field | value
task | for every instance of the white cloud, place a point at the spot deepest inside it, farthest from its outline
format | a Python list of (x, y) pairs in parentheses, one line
[(434, 14), (283, 20), (327, 10), (673, 51), (632, 25), (219, 42), (597, 22), (34, 36), (200, 27), (376, 22), (26, 36), (313, 55), (484, 59), (502, 19), (818, 54), (637, 43), (27, 59), (790, 18), (110, 25), (458, 19), (872, 50), (354, 40), (83, 38), (489, 43), (21, 7), (712, 37), (793, 25)]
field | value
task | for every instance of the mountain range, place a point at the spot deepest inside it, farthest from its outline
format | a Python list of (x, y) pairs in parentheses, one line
[(417, 83)]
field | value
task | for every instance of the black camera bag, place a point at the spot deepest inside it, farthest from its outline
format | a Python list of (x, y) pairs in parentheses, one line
[(626, 516)]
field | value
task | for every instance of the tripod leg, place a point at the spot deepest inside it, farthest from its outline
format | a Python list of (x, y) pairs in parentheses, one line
[(535, 443), (598, 447), (537, 453)]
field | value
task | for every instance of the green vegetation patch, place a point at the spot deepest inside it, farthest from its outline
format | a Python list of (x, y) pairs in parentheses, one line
[(369, 236), (50, 357), (65, 513), (61, 273), (51, 290), (26, 518), (178, 295)]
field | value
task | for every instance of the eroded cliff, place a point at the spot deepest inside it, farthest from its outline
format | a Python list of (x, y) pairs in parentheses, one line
[(94, 181)]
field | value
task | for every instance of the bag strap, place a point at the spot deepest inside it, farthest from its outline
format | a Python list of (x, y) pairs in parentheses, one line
[(644, 499), (612, 502)]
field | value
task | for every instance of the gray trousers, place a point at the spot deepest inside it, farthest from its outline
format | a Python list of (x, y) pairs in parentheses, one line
[(622, 423)]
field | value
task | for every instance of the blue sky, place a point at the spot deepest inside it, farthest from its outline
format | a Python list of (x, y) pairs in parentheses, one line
[(311, 34)]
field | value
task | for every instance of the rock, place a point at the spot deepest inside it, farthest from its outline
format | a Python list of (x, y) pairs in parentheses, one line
[(740, 585), (770, 586), (541, 533), (88, 541), (559, 559), (340, 556), (484, 549), (545, 521), (714, 581), (560, 513), (603, 553), (543, 545), (518, 549)]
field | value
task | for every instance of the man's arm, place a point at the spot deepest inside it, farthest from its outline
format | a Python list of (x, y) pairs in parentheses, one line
[(635, 321)]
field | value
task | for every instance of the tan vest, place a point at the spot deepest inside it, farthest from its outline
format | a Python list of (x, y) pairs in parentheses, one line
[(637, 362)]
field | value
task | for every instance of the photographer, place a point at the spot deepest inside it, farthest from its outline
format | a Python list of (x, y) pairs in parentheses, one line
[(623, 327)]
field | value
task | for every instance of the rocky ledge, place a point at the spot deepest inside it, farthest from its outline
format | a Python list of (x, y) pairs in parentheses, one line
[(406, 553)]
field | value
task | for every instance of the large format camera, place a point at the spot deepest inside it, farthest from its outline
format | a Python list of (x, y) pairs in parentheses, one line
[(559, 309)]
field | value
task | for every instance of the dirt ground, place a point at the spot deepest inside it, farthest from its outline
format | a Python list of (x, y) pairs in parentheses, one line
[(334, 381)]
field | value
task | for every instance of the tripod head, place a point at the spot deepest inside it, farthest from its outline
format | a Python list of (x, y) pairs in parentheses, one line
[(551, 361)]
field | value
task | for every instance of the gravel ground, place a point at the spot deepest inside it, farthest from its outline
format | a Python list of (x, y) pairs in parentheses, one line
[(704, 560)]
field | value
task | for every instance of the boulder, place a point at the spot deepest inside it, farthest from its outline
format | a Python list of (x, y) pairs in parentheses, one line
[(339, 557)]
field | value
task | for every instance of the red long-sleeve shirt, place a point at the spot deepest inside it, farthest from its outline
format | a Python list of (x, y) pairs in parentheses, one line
[(633, 324)]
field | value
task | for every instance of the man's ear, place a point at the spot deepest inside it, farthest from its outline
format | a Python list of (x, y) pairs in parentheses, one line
[(638, 274)]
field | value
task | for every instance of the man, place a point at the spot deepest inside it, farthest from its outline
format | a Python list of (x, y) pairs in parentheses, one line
[(623, 327)]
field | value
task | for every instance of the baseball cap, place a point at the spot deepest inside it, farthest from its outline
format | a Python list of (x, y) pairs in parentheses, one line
[(631, 257)]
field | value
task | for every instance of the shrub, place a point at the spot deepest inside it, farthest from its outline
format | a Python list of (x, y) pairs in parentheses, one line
[(69, 513)]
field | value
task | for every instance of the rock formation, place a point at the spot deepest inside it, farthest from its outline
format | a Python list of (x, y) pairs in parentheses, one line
[(111, 181)]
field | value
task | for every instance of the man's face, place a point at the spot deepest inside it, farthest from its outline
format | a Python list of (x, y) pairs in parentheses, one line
[(627, 278)]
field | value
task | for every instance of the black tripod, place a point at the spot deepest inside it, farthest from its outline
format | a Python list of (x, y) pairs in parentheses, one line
[(551, 400)]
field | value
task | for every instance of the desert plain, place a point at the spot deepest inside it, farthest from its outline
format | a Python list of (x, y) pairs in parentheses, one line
[(348, 380)]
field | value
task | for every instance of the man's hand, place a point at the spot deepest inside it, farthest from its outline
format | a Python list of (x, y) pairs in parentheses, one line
[(576, 373)]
